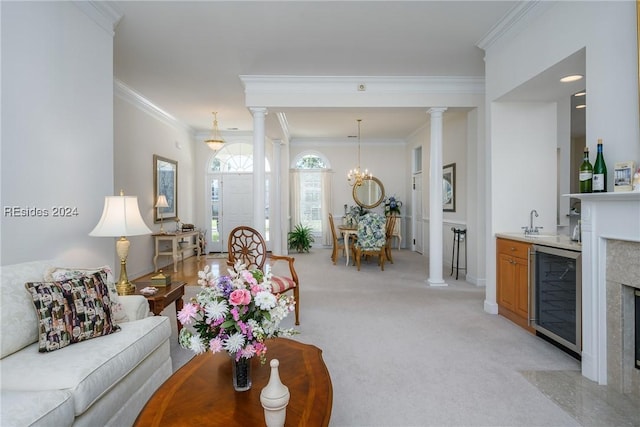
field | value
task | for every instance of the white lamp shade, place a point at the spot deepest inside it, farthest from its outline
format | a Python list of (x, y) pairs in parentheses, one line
[(120, 217), (162, 202)]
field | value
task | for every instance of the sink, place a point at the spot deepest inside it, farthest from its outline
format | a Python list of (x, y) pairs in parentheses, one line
[(541, 236)]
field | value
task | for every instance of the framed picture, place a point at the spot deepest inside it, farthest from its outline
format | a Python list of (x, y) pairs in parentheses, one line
[(449, 188), (165, 181)]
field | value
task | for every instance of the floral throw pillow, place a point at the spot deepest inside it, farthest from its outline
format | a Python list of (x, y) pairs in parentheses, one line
[(57, 274), (71, 311)]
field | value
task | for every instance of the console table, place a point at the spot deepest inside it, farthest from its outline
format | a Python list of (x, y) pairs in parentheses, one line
[(181, 242), (201, 392)]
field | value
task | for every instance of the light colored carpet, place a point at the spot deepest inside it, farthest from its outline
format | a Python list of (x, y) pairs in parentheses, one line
[(401, 353)]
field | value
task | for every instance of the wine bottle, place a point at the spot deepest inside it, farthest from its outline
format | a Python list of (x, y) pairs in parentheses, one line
[(586, 173), (599, 171)]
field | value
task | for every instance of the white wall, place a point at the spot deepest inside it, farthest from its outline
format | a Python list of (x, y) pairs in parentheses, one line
[(57, 132), (139, 135), (608, 32)]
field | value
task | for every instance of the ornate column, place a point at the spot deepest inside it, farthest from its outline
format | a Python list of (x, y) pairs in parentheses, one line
[(435, 199), (259, 114), (275, 211)]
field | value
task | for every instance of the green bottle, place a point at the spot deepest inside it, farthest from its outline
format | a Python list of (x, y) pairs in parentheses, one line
[(586, 173), (599, 172)]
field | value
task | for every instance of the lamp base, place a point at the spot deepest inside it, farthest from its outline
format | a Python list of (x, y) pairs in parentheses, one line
[(127, 288), (124, 286)]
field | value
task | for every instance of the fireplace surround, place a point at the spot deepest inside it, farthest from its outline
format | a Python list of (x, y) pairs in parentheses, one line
[(610, 270), (623, 280)]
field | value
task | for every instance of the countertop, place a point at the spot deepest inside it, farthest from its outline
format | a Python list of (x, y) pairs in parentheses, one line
[(555, 241)]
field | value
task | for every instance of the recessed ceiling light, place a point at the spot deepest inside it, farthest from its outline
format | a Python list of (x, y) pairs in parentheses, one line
[(581, 106), (571, 78), (583, 93)]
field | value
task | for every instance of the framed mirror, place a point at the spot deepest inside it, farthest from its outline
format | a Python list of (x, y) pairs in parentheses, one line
[(369, 194)]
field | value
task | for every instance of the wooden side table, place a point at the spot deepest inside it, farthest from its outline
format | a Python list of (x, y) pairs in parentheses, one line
[(165, 296)]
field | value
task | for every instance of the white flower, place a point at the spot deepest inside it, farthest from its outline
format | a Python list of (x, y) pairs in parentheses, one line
[(234, 343), (265, 300), (216, 310), (196, 345)]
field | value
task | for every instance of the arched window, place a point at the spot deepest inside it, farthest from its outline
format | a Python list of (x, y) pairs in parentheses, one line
[(236, 157)]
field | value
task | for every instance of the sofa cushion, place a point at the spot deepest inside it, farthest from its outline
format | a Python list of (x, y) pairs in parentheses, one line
[(71, 311), (53, 408), (57, 274), (17, 317), (90, 368)]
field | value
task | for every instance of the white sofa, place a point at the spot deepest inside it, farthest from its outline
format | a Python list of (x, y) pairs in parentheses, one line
[(104, 381)]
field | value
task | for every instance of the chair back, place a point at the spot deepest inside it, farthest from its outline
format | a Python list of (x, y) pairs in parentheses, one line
[(371, 232), (246, 244), (334, 236), (391, 223)]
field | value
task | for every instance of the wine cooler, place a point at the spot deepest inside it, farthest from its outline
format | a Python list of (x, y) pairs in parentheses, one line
[(556, 295)]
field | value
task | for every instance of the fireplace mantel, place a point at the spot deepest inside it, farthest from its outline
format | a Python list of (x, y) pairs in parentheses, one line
[(604, 216)]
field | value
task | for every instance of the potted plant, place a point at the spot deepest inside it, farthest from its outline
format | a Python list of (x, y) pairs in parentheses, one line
[(301, 238)]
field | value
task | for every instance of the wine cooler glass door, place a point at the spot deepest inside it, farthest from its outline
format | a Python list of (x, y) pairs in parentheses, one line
[(557, 295)]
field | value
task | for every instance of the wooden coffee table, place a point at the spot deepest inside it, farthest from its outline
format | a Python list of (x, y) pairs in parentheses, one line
[(201, 392)]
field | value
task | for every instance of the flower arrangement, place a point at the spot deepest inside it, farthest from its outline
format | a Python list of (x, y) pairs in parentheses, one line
[(234, 313), (392, 205)]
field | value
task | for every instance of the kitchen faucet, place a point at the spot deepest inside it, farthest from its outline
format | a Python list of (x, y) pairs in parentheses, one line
[(531, 229)]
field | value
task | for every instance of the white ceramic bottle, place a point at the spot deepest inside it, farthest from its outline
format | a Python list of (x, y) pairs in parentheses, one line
[(275, 398)]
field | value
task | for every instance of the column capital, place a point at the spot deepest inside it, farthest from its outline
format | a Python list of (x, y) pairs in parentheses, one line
[(434, 111), (258, 111)]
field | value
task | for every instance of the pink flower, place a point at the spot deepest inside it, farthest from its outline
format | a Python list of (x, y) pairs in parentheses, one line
[(234, 313), (215, 345), (248, 352), (248, 277), (255, 289), (187, 315), (240, 297), (260, 348)]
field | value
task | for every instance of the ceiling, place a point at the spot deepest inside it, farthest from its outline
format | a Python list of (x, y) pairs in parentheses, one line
[(186, 57)]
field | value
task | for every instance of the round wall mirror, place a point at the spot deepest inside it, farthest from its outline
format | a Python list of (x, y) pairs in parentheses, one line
[(369, 194)]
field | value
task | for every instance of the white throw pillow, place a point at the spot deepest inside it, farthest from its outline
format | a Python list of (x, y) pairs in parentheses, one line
[(58, 274)]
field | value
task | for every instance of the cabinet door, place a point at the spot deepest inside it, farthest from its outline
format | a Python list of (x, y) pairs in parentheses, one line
[(521, 274), (506, 292)]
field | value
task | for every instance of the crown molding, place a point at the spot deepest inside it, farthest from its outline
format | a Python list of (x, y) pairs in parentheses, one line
[(516, 19), (342, 142), (264, 84), (102, 13), (124, 92)]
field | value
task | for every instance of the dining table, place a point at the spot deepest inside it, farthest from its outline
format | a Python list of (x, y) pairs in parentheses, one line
[(348, 231)]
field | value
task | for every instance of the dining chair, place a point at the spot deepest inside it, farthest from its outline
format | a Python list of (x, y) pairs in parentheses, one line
[(338, 241), (389, 227), (371, 239), (247, 245)]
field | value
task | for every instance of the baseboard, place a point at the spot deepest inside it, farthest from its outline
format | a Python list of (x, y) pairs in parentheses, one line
[(490, 307)]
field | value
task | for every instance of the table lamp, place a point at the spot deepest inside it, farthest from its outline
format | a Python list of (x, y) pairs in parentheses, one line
[(121, 218), (161, 203)]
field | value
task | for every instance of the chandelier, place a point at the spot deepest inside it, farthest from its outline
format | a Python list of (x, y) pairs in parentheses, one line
[(356, 176), (215, 142)]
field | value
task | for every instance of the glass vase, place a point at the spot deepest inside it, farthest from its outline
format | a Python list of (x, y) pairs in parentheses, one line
[(241, 373)]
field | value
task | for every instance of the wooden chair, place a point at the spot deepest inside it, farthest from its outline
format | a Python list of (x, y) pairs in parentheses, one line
[(338, 241), (371, 239), (247, 245), (391, 223)]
